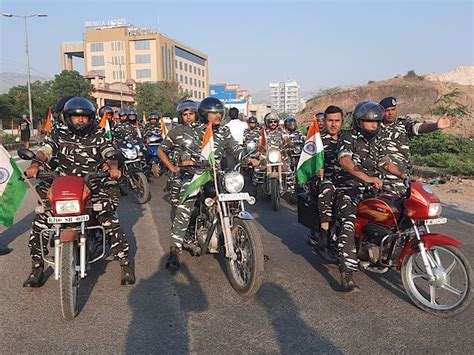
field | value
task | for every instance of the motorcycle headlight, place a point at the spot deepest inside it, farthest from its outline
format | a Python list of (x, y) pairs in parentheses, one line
[(234, 182), (251, 146), (130, 154), (434, 210), (274, 155), (67, 207)]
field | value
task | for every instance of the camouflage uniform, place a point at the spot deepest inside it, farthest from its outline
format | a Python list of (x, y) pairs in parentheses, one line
[(150, 130), (223, 143), (79, 155), (296, 137), (251, 135), (178, 145), (125, 131), (366, 155), (396, 137)]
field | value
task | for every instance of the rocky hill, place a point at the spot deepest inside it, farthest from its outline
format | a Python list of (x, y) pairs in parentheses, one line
[(10, 79), (414, 96)]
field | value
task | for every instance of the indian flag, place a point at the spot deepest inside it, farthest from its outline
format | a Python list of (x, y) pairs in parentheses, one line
[(12, 188), (104, 123), (207, 152), (50, 123), (164, 129), (312, 156)]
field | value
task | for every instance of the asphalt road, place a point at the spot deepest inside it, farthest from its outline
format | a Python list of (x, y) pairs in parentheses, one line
[(297, 310)]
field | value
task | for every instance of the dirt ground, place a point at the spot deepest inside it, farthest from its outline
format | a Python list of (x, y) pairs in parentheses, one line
[(458, 193)]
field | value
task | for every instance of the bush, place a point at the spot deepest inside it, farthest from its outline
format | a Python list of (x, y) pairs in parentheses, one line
[(9, 138), (412, 75)]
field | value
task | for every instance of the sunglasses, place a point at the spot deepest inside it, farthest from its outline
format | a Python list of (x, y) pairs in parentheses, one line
[(272, 121)]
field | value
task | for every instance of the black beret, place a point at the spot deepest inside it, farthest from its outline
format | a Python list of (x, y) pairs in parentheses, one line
[(388, 102)]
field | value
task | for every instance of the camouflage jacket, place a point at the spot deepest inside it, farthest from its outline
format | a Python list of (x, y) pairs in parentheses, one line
[(331, 163), (396, 138), (124, 131), (366, 154), (296, 137), (180, 143), (275, 138), (150, 130), (224, 143), (251, 135)]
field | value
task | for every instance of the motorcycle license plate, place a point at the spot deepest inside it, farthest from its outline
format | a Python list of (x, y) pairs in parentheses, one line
[(234, 197), (442, 220), (75, 219)]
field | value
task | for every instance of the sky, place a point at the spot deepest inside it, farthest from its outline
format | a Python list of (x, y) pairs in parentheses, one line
[(320, 44)]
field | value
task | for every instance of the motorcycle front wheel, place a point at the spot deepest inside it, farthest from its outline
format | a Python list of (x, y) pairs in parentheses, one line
[(140, 187), (69, 280), (451, 291), (246, 272), (275, 194)]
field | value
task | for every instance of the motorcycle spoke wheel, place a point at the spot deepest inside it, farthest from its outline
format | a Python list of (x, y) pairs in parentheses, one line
[(451, 290)]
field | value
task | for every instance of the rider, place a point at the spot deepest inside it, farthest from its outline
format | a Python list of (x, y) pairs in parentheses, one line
[(294, 134), (176, 146), (236, 126), (397, 132), (252, 132), (109, 111), (324, 185), (120, 128), (361, 156), (152, 127), (80, 148), (320, 117), (211, 111)]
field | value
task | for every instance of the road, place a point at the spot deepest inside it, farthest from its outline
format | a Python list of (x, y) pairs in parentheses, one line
[(297, 310)]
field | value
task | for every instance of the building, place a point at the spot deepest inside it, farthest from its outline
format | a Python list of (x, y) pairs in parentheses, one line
[(285, 97), (232, 96), (115, 94), (121, 52), (259, 111)]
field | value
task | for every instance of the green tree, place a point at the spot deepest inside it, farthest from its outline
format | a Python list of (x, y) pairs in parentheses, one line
[(69, 82), (40, 99), (448, 105), (160, 96), (6, 110), (412, 75)]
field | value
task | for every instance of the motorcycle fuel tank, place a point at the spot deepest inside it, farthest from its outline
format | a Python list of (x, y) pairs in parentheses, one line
[(377, 210)]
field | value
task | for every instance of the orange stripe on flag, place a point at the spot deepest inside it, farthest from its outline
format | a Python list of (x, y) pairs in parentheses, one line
[(207, 136), (48, 126)]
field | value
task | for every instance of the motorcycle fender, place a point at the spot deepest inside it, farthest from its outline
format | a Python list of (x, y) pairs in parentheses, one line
[(429, 240), (273, 175), (68, 235), (244, 215)]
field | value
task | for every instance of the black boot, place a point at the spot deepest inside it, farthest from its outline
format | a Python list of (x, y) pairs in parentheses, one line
[(323, 239), (347, 283), (128, 274), (36, 277), (173, 260)]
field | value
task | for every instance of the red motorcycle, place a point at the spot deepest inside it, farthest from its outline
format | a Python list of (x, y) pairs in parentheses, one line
[(394, 233), (76, 237)]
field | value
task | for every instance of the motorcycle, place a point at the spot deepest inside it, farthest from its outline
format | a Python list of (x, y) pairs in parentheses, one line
[(272, 179), (294, 151), (154, 164), (220, 223), (77, 238), (133, 167), (395, 233)]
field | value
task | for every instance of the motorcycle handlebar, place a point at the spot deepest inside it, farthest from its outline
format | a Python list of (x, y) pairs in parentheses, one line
[(100, 174)]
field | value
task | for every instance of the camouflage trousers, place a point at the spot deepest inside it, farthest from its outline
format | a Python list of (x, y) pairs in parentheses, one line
[(394, 186), (107, 218), (174, 183), (325, 200), (345, 204), (182, 217)]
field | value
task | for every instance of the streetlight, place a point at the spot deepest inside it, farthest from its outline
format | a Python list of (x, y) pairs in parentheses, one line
[(27, 57)]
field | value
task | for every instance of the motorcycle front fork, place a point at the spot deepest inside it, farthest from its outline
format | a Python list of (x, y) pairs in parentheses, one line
[(423, 253), (226, 230)]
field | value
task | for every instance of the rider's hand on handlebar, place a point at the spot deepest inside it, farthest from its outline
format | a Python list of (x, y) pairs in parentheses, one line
[(376, 182), (254, 162), (187, 162), (174, 169), (32, 170), (320, 173)]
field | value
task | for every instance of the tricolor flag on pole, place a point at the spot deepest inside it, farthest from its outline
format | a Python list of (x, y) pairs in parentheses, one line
[(104, 123), (12, 188), (49, 124), (164, 129), (263, 137), (207, 152), (312, 156), (139, 132), (144, 118)]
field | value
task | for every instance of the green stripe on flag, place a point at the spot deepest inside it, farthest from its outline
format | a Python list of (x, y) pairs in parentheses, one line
[(309, 168), (196, 184), (12, 196)]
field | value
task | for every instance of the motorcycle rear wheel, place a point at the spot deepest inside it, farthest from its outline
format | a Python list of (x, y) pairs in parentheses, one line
[(69, 280), (246, 273), (141, 192), (275, 194), (453, 286)]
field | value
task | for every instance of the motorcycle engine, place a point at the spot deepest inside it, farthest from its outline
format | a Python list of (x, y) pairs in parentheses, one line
[(375, 232), (202, 235), (369, 252)]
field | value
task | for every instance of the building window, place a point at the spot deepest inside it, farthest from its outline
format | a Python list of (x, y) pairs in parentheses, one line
[(176, 64), (117, 46), (97, 60), (185, 67), (181, 78), (195, 94), (142, 59), (190, 68), (176, 76), (143, 44), (195, 82), (180, 65), (97, 47), (185, 79), (182, 53), (143, 73), (199, 71), (203, 72), (194, 70), (101, 72)]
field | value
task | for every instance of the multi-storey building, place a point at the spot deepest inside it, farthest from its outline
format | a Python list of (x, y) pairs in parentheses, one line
[(285, 96), (121, 52)]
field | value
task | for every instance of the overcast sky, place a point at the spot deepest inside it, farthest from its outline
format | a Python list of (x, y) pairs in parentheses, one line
[(252, 42)]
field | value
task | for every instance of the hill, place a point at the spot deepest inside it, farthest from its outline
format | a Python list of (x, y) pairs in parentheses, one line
[(10, 79), (414, 96)]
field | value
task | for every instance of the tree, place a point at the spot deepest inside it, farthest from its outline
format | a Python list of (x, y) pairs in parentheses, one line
[(6, 110), (412, 75), (447, 105), (160, 96), (70, 82)]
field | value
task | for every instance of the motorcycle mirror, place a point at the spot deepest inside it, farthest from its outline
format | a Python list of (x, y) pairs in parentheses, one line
[(26, 154), (113, 154)]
